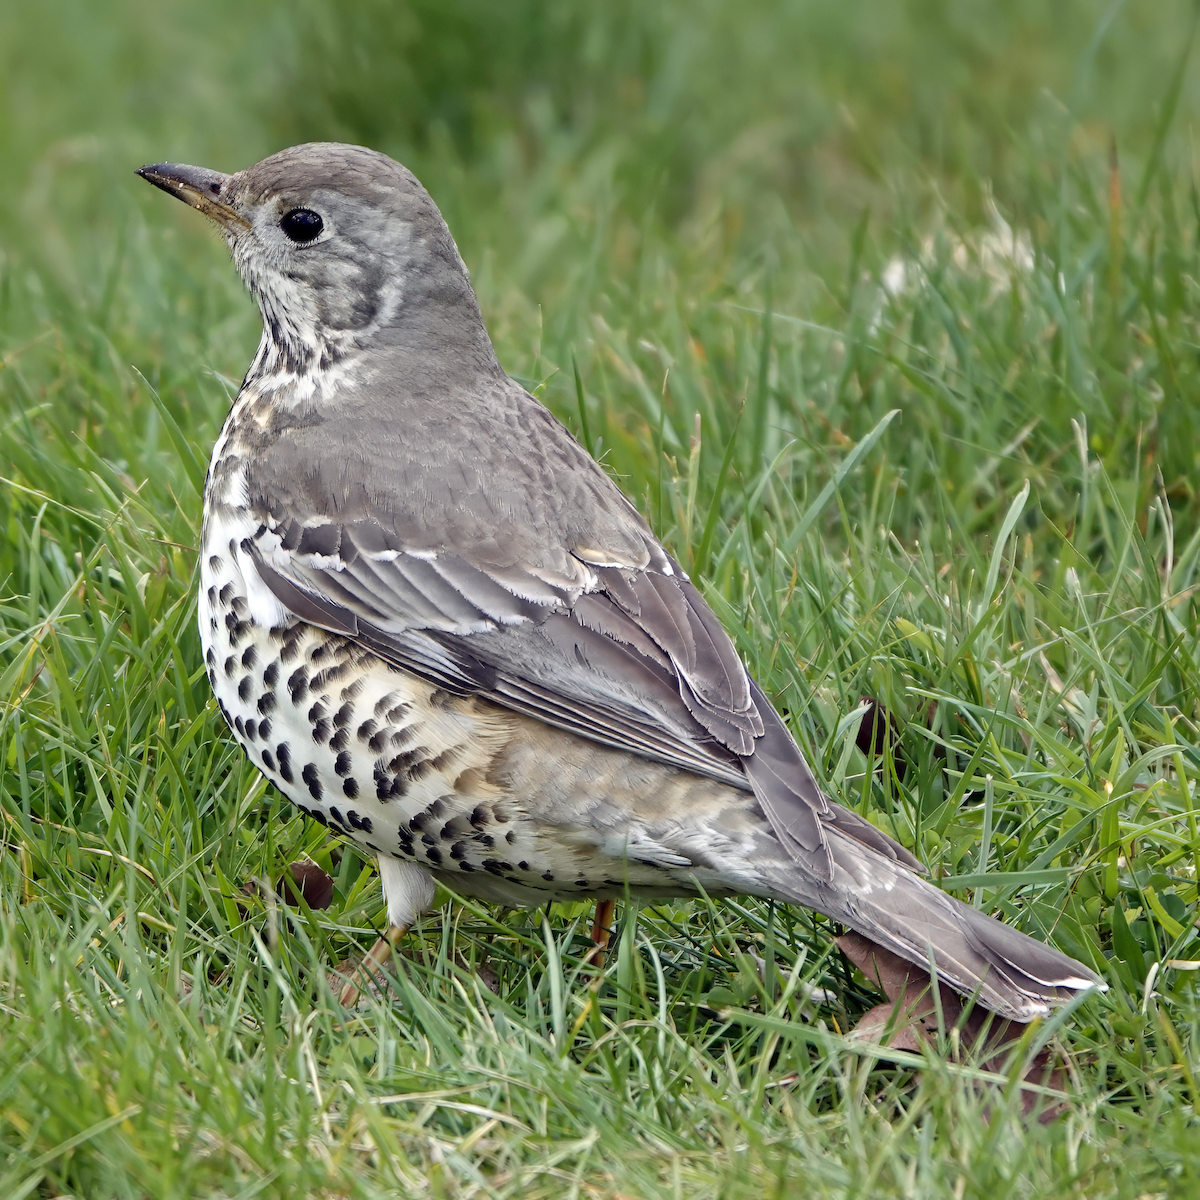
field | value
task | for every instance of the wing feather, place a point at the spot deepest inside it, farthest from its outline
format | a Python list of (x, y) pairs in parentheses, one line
[(630, 658)]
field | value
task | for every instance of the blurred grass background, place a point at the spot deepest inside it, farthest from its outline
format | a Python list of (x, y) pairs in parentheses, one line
[(755, 230)]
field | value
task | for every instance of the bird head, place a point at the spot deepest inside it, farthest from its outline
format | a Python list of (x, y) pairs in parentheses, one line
[(344, 251)]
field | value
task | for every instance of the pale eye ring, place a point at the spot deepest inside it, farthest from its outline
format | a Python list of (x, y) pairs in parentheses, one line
[(301, 225)]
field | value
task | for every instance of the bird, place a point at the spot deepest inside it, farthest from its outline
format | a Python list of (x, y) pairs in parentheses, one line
[(435, 623)]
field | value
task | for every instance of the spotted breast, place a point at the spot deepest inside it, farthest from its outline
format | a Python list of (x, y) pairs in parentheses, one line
[(496, 804)]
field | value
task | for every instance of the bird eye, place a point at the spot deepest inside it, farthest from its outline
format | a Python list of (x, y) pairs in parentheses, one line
[(301, 225)]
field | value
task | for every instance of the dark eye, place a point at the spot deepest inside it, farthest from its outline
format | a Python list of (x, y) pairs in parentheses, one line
[(302, 225)]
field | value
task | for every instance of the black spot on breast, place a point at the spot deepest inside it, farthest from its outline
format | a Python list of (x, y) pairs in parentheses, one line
[(487, 840), (523, 865), (237, 631), (214, 562), (297, 684), (335, 814), (225, 713), (434, 855), (350, 786), (252, 729), (583, 883), (225, 593), (264, 728), (321, 730), (271, 674), (353, 689), (446, 759), (249, 656), (387, 786), (329, 675), (316, 713), (292, 640), (342, 763), (511, 836), (377, 740), (285, 764), (365, 730), (212, 678), (266, 702), (339, 739), (410, 765), (397, 712), (239, 725), (428, 840), (268, 760), (245, 688), (344, 715), (497, 866), (318, 816), (458, 851), (230, 666), (548, 876), (310, 777), (479, 817), (210, 658), (465, 866)]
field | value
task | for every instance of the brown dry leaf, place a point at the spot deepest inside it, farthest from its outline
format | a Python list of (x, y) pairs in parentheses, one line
[(306, 879), (912, 1015), (878, 732)]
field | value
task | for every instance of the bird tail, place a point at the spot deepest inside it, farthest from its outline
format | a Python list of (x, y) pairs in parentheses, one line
[(1005, 970)]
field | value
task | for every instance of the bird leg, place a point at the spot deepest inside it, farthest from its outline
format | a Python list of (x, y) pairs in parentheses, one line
[(600, 931), (375, 960)]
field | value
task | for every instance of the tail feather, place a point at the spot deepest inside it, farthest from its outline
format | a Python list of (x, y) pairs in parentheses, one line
[(1008, 972)]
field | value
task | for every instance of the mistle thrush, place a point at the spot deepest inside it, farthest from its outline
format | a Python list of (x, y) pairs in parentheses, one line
[(438, 627)]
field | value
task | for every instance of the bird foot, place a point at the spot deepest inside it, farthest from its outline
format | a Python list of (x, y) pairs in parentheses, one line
[(601, 930), (375, 960)]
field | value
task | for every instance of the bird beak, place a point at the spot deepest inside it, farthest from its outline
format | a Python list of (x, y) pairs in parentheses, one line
[(198, 187)]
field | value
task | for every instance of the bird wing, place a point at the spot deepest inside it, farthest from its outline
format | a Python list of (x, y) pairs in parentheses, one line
[(628, 656)]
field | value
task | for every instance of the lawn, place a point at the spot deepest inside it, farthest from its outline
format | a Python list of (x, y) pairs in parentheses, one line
[(886, 316)]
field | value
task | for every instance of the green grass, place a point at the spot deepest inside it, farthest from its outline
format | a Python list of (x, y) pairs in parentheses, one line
[(756, 231)]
